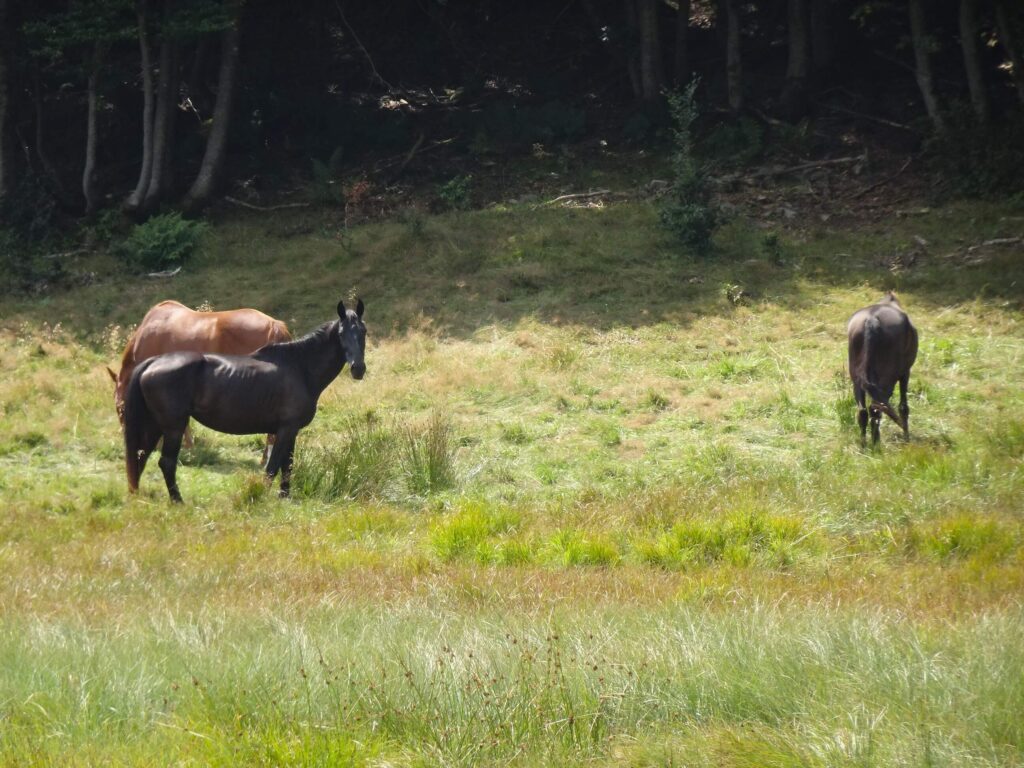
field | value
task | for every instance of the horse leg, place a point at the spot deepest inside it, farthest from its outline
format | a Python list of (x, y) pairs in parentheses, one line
[(150, 437), (169, 462), (904, 408), (266, 450), (286, 469), (876, 420), (862, 412)]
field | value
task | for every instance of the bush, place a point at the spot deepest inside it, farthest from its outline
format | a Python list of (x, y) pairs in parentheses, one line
[(976, 160), (163, 242), (687, 211), (454, 193)]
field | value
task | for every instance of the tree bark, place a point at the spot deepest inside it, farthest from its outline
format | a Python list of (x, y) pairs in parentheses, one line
[(92, 200), (652, 78), (733, 56), (135, 199), (923, 65), (4, 164), (794, 93), (1004, 24), (632, 50), (681, 68), (822, 40), (969, 34), (163, 124), (216, 144)]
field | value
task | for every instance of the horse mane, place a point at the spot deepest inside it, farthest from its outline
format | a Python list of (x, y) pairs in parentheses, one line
[(314, 338)]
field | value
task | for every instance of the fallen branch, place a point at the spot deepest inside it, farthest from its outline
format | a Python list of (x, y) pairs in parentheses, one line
[(66, 254), (996, 241), (577, 196), (883, 182), (864, 116), (806, 166), (166, 273), (264, 208)]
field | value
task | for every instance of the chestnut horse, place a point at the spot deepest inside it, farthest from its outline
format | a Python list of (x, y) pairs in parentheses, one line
[(172, 327)]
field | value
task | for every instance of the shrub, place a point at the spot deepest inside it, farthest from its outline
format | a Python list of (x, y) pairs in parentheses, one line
[(687, 211), (976, 160), (454, 193), (163, 242)]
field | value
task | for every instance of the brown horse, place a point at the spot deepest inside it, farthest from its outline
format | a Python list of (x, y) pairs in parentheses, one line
[(172, 327)]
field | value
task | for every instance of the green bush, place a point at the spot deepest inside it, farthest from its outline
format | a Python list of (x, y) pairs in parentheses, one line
[(163, 242), (687, 211), (454, 193)]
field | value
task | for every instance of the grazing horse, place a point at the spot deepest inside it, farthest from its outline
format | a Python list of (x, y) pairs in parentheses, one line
[(173, 327), (274, 390), (882, 348)]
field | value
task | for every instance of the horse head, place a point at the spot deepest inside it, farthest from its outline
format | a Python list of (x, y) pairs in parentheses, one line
[(352, 334)]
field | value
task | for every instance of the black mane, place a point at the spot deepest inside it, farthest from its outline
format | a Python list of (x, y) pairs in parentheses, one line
[(314, 338)]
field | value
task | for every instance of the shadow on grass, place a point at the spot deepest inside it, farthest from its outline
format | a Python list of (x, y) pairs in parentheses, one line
[(602, 269)]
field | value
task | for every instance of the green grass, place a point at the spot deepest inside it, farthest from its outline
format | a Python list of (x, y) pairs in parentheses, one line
[(595, 502)]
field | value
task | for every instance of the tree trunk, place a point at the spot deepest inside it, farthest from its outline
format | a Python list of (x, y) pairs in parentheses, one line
[(92, 199), (822, 40), (652, 78), (923, 64), (49, 170), (1004, 24), (216, 144), (632, 46), (5, 166), (135, 199), (681, 68), (969, 35), (793, 101), (733, 58), (163, 119)]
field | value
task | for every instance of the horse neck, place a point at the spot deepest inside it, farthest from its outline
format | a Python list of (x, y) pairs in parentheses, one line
[(320, 355)]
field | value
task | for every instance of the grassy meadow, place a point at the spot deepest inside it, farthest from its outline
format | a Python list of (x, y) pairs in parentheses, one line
[(596, 502)]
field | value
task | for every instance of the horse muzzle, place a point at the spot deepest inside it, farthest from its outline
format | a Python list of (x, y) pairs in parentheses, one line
[(358, 370)]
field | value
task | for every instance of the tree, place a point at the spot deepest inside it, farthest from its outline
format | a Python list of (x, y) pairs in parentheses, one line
[(652, 78), (969, 35), (1008, 39), (89, 27), (922, 63), (4, 47), (216, 144), (681, 70), (138, 195), (794, 92), (733, 56)]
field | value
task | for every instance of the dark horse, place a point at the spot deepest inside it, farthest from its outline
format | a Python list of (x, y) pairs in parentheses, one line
[(882, 349), (272, 391)]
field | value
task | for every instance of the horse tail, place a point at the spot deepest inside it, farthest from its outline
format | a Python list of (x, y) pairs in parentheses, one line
[(138, 425), (279, 332), (879, 398)]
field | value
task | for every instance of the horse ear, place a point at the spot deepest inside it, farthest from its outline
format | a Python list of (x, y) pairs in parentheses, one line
[(341, 309), (113, 376), (359, 309)]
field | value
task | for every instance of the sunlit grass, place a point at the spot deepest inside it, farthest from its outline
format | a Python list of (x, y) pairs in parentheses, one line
[(573, 448)]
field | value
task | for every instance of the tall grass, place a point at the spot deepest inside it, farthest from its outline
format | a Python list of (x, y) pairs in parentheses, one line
[(814, 687), (375, 458)]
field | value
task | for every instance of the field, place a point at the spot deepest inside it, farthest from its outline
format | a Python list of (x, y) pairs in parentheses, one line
[(596, 502)]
